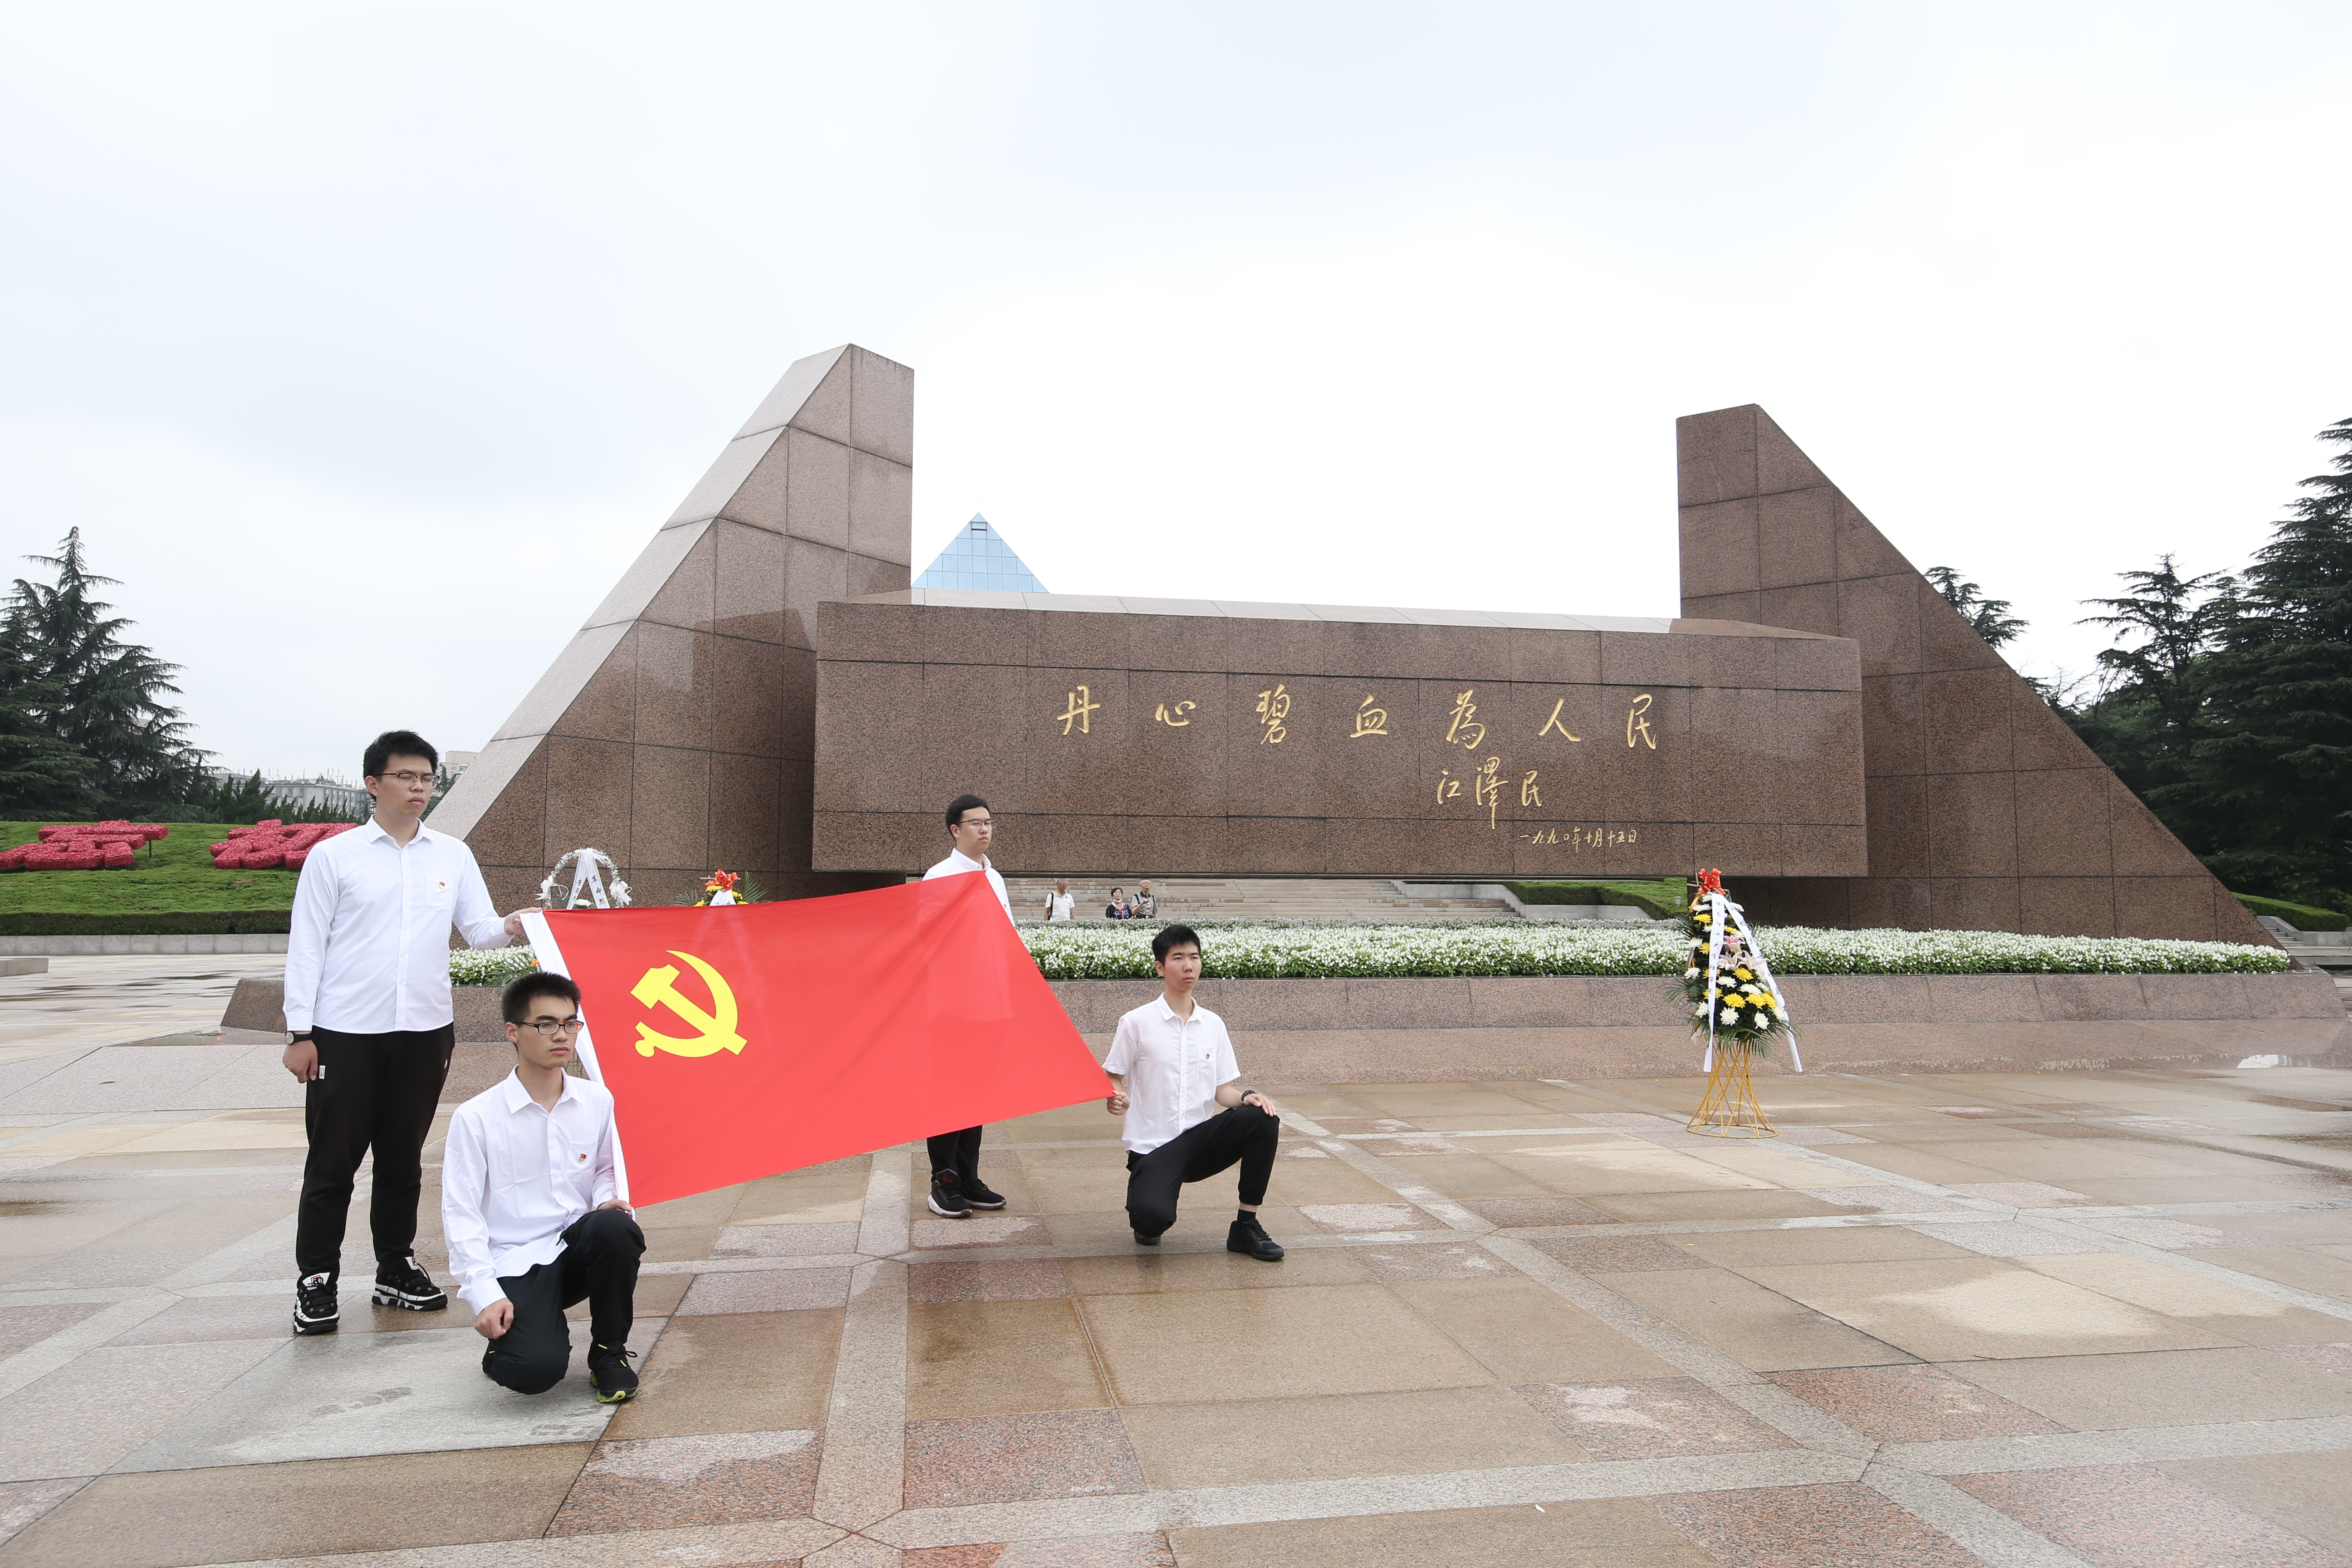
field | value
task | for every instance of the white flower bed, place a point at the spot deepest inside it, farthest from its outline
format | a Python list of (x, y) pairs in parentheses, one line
[(490, 966), (1241, 951), (1299, 951)]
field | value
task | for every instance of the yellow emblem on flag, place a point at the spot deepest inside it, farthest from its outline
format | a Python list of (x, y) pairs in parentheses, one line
[(714, 1032)]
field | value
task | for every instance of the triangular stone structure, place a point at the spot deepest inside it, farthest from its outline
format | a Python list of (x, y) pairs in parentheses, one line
[(1986, 812), (978, 557), (678, 731)]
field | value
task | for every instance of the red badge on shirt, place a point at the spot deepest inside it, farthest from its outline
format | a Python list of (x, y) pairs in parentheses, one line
[(744, 1040)]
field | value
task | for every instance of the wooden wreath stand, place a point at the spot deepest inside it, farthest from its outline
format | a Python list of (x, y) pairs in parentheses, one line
[(1729, 1109)]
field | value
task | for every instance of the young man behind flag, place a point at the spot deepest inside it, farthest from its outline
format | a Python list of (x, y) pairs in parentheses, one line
[(956, 1186)]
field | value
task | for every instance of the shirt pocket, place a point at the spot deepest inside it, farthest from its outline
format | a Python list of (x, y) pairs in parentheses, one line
[(574, 1161)]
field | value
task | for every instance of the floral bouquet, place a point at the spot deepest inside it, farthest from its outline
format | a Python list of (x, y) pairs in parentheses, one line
[(720, 891), (1734, 1000)]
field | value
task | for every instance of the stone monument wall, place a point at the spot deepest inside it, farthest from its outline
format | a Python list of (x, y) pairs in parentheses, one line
[(678, 731), (1985, 811), (1232, 739)]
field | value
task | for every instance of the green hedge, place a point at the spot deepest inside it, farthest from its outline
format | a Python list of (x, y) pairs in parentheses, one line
[(2303, 917), (1647, 901), (159, 923)]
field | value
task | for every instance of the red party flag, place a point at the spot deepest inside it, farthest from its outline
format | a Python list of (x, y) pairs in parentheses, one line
[(744, 1040)]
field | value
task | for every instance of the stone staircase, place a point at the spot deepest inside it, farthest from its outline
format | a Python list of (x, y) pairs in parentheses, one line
[(1259, 898)]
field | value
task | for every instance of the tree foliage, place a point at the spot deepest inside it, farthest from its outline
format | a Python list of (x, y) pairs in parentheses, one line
[(84, 723), (1990, 617), (2227, 701)]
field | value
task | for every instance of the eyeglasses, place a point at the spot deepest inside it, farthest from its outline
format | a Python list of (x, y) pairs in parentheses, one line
[(407, 777), (552, 1027), (978, 822)]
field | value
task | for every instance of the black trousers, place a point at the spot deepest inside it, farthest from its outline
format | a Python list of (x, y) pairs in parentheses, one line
[(376, 1091), (957, 1151), (1243, 1135), (598, 1265)]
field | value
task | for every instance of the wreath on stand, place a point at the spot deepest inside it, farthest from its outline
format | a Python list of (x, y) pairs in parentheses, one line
[(721, 891), (1736, 1009)]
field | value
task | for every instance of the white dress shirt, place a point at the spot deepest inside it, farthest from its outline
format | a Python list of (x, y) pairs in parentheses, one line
[(956, 865), (368, 950), (514, 1177), (1061, 907), (1173, 1069)]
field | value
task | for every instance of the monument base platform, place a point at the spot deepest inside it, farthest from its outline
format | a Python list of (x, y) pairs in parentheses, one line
[(1439, 1030)]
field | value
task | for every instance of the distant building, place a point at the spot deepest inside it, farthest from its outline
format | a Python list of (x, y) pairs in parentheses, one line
[(454, 763), (979, 558), (332, 794)]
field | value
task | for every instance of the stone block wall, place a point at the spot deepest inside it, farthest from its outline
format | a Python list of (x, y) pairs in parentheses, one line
[(1985, 810), (678, 731)]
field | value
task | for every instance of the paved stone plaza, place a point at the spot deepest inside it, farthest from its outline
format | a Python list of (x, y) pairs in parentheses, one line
[(2091, 1317)]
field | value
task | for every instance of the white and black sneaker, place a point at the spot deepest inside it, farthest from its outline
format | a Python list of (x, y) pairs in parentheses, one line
[(315, 1309), (404, 1285), (947, 1196)]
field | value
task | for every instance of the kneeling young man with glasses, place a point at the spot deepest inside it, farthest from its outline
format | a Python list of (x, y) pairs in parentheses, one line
[(1187, 1119), (531, 1210)]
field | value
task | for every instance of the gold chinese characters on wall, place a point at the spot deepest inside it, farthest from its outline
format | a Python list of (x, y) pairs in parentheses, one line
[(1480, 786)]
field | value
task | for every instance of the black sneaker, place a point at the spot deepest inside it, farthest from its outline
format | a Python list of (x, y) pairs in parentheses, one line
[(947, 1199), (315, 1309), (980, 1195), (1143, 1240), (1248, 1235), (610, 1374), (407, 1287)]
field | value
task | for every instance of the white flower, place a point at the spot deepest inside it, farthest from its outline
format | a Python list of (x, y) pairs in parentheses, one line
[(1731, 1014), (1272, 951)]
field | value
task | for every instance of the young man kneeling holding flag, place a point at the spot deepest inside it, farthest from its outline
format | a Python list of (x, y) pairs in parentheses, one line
[(1172, 1065), (532, 1209)]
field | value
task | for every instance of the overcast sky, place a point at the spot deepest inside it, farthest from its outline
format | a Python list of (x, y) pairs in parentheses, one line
[(368, 344)]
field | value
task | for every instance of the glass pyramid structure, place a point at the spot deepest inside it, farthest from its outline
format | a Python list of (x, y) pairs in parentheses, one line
[(979, 558)]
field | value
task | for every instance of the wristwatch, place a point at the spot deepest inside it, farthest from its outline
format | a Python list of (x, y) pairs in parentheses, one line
[(298, 1035)]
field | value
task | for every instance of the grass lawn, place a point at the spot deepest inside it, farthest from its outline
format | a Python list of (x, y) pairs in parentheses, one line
[(173, 874)]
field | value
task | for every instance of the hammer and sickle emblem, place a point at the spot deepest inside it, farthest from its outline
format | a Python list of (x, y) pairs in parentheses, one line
[(659, 988)]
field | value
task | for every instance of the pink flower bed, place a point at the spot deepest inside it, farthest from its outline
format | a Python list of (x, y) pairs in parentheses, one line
[(83, 846), (268, 845)]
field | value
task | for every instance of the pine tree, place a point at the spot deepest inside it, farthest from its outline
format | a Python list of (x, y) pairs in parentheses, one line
[(2148, 718), (40, 775), (96, 693), (2275, 771), (1990, 617)]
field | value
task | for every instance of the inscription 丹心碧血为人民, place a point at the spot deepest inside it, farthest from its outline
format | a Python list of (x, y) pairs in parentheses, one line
[(1463, 727)]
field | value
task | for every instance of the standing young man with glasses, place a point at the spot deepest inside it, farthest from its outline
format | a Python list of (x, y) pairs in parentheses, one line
[(532, 1210), (956, 1186), (367, 1005)]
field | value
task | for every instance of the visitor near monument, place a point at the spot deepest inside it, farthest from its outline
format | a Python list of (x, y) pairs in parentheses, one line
[(956, 1186), (368, 1011), (532, 1210), (1176, 1085), (1060, 907), (1143, 906), (1118, 910)]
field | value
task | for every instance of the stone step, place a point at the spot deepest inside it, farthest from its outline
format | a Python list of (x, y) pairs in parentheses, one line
[(1270, 898)]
